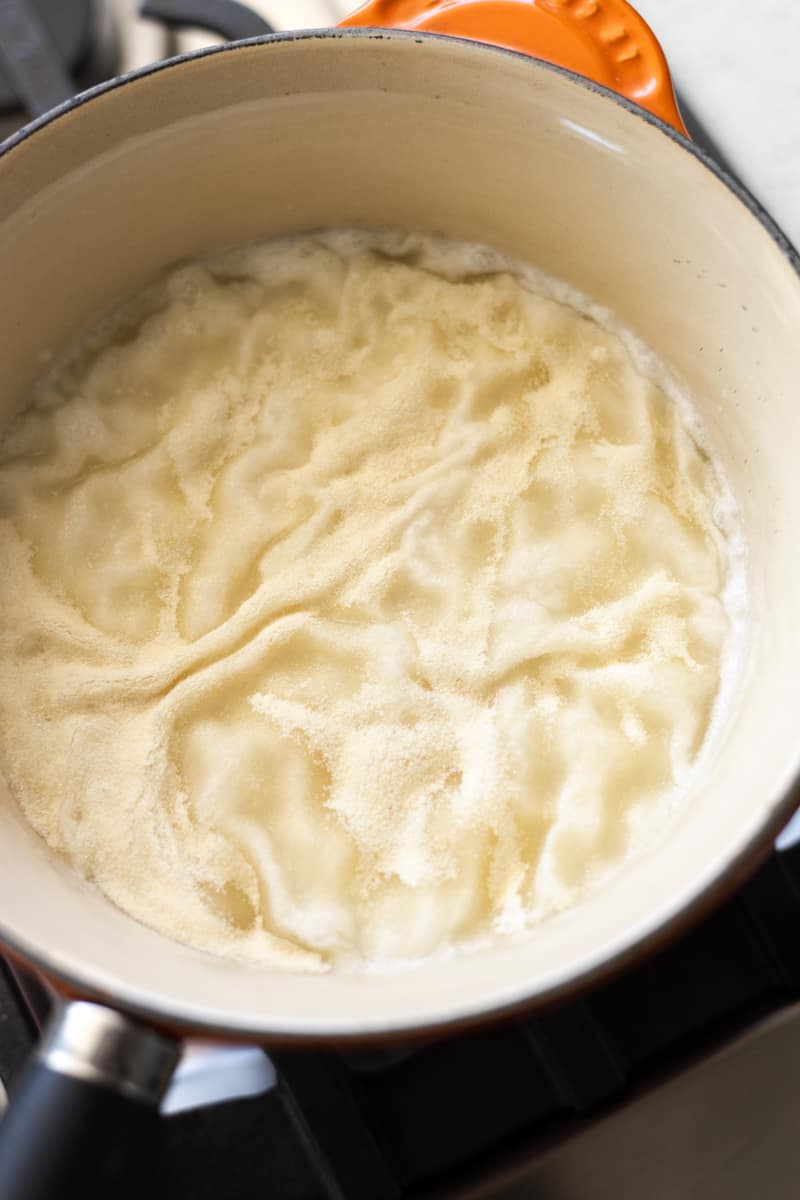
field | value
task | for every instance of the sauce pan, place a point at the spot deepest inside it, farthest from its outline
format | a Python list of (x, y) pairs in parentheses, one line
[(553, 137)]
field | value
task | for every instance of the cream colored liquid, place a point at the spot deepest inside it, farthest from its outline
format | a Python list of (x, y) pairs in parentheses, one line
[(355, 604)]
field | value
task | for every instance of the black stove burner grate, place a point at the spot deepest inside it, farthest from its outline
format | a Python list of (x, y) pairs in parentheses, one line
[(449, 1117)]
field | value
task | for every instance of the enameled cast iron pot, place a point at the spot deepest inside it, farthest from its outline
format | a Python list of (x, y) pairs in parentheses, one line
[(376, 127)]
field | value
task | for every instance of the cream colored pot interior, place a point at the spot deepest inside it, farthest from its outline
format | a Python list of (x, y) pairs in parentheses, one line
[(447, 137)]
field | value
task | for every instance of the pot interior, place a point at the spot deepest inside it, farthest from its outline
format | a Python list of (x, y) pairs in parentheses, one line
[(448, 137)]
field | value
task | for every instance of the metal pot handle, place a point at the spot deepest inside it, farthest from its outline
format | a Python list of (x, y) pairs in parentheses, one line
[(604, 40), (86, 1107)]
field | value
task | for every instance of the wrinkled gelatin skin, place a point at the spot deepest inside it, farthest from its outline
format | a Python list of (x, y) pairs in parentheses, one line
[(358, 602)]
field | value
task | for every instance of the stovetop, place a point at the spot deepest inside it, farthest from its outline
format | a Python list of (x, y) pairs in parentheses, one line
[(676, 1079), (495, 1113)]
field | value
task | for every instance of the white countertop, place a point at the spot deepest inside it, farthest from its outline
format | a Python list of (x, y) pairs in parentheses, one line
[(736, 61)]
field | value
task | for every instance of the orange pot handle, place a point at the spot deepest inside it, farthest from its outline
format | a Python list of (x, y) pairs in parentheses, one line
[(604, 40)]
